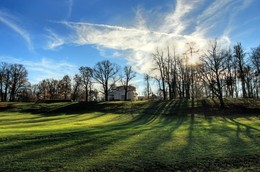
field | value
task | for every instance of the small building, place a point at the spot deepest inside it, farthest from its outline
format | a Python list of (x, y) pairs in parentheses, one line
[(118, 93)]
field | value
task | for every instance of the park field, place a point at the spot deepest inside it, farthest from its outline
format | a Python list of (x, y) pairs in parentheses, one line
[(130, 136)]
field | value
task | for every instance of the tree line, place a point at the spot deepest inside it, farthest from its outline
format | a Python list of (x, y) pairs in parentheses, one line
[(14, 85), (218, 71)]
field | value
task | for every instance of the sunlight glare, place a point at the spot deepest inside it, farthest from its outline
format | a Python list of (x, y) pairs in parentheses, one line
[(193, 61)]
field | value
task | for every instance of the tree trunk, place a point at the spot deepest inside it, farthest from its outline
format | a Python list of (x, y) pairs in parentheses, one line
[(174, 86), (5, 94), (220, 94), (106, 91), (222, 105), (12, 93), (164, 91), (86, 98), (2, 93), (187, 90), (170, 90), (243, 87), (126, 94)]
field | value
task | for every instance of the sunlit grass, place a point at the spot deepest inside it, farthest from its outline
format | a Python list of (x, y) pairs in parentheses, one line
[(125, 136)]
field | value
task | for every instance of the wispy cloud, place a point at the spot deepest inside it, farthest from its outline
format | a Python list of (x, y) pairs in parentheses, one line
[(70, 5), (236, 10), (219, 15), (12, 22), (122, 38), (176, 21), (55, 40)]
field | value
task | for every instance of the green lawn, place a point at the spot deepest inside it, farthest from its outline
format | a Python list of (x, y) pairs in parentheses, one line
[(124, 136)]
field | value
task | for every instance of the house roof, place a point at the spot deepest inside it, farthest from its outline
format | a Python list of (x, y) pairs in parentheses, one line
[(130, 88)]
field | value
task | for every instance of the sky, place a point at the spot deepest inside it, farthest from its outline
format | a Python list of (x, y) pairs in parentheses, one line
[(52, 38)]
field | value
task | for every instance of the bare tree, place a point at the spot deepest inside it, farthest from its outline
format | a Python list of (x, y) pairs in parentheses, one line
[(171, 73), (128, 75), (160, 65), (255, 58), (230, 75), (3, 77), (43, 88), (18, 78), (239, 54), (24, 94), (104, 71), (174, 74), (86, 74), (35, 92), (53, 87), (191, 67), (65, 87), (76, 87), (180, 67), (147, 79), (213, 68), (248, 80)]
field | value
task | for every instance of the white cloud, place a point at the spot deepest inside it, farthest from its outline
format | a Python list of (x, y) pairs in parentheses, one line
[(138, 44), (11, 21), (135, 44)]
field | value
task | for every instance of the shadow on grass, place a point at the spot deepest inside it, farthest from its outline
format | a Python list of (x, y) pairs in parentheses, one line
[(243, 129), (140, 137), (77, 108), (208, 107), (72, 146)]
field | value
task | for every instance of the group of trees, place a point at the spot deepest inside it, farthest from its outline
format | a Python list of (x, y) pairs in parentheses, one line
[(13, 81), (15, 87), (218, 72), (52, 89)]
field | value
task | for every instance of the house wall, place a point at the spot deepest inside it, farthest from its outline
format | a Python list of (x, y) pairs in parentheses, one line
[(120, 95)]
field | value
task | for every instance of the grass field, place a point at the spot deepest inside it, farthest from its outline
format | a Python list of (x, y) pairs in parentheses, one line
[(129, 136)]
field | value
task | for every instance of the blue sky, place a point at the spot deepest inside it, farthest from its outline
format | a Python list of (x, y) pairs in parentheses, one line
[(55, 37)]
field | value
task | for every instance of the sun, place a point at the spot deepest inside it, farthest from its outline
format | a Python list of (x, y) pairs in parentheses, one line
[(193, 61)]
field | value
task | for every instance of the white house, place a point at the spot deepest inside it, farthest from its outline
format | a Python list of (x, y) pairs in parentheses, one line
[(118, 93)]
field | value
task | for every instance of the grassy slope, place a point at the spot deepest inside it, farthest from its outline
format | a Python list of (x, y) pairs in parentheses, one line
[(126, 136)]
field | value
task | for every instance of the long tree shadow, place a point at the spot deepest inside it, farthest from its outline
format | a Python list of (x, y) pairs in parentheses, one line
[(190, 138), (160, 111), (75, 108), (240, 130)]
